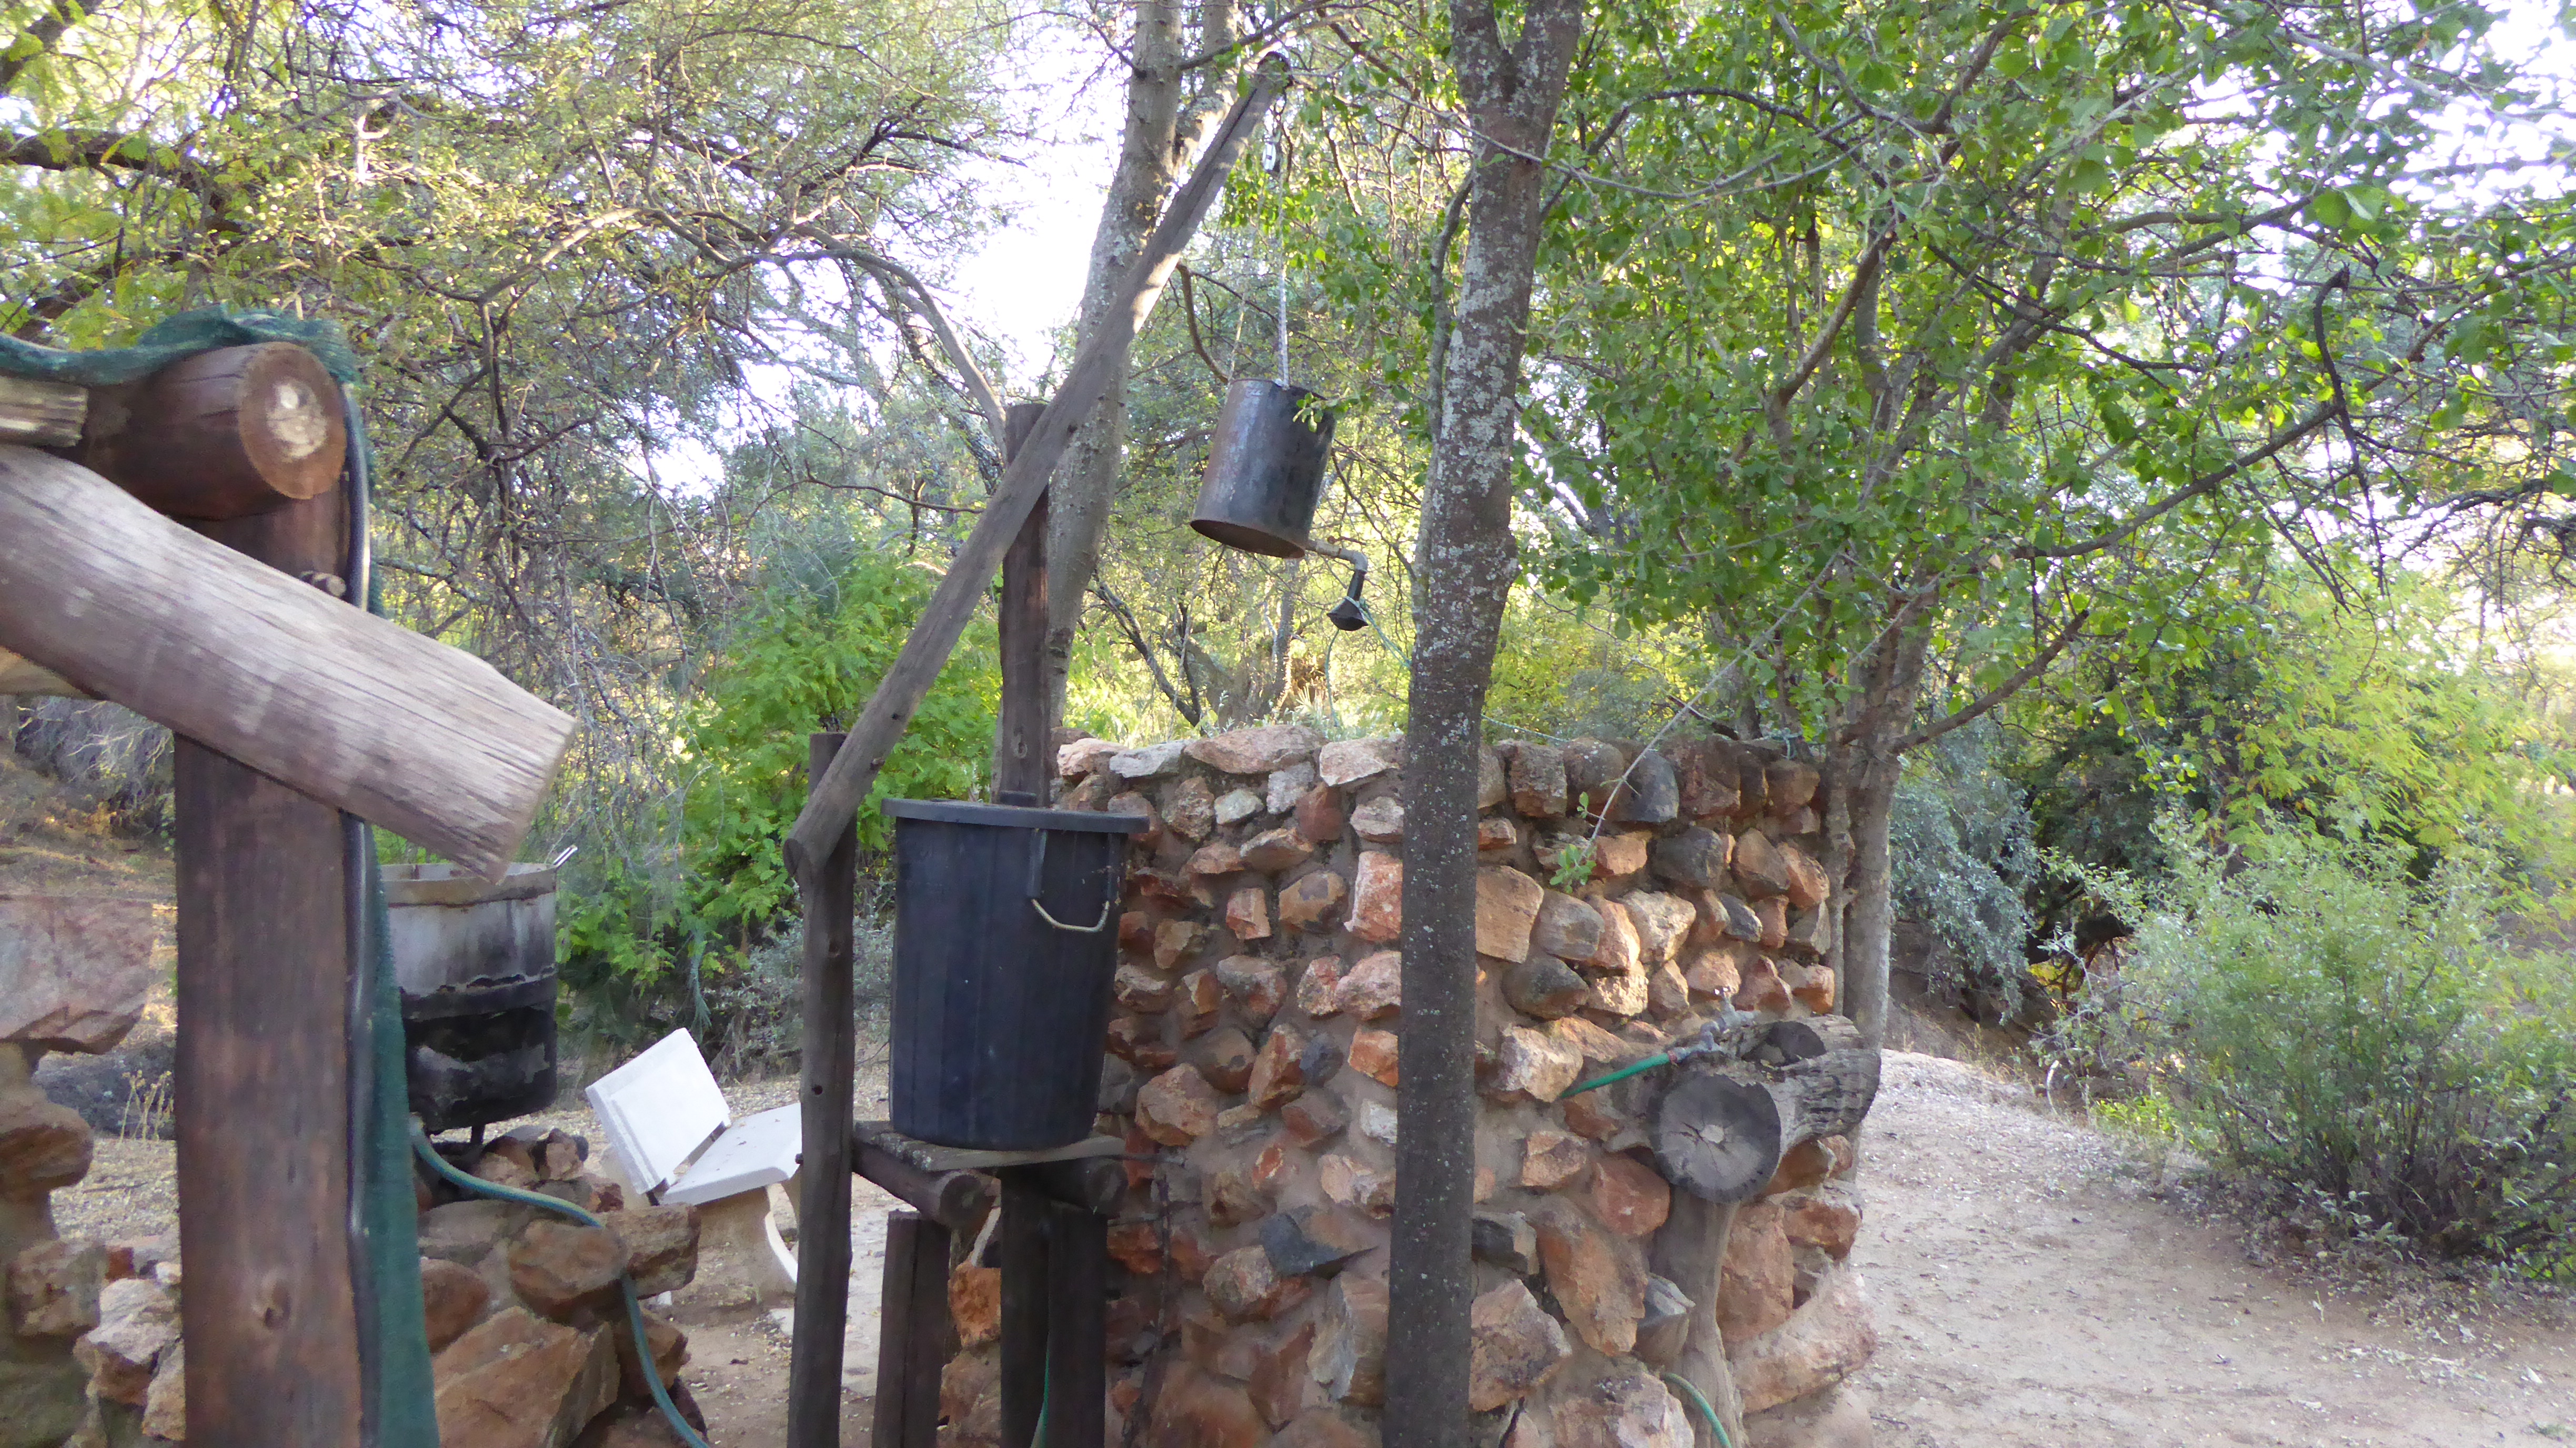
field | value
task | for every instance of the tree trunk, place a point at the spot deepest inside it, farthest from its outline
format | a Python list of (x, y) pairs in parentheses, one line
[(1162, 134), (1869, 917), (1864, 773), (1512, 91)]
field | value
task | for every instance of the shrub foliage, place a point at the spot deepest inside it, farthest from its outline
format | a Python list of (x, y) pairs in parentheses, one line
[(2359, 1035)]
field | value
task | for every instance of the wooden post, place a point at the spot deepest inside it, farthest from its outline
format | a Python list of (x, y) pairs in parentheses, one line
[(1025, 1208), (1022, 758), (830, 1075), (1077, 1374), (915, 1337), (1688, 1251), (264, 1054)]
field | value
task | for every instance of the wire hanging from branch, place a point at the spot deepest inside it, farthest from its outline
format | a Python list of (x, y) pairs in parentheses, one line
[(1279, 175)]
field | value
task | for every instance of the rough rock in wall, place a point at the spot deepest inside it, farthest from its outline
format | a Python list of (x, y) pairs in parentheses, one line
[(1625, 897), (73, 974)]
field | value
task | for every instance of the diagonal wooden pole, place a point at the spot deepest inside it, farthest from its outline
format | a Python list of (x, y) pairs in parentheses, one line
[(835, 801)]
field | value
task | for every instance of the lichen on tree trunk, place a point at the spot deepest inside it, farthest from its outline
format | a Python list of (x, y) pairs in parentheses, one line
[(1512, 90)]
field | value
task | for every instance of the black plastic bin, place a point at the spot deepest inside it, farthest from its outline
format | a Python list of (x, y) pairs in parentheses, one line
[(1005, 942)]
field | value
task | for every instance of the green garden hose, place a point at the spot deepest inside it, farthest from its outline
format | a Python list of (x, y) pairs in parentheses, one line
[(625, 1281), (1691, 1391), (1623, 1073), (1710, 1042)]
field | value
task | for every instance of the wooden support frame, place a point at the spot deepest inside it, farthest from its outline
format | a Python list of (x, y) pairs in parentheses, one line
[(832, 804), (833, 799), (264, 974), (289, 702), (915, 1335), (830, 1075)]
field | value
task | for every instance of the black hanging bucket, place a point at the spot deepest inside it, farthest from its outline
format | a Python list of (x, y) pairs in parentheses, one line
[(1005, 941), (1265, 469)]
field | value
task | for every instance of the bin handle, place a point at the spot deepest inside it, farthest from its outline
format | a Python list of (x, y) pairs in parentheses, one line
[(1037, 866)]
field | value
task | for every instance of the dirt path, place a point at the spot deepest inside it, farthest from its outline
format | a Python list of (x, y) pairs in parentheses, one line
[(2034, 1290)]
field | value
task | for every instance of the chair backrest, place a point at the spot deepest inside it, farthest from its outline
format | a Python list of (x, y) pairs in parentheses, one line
[(659, 1108)]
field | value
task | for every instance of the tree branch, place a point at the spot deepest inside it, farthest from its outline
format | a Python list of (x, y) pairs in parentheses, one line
[(1999, 693), (47, 28), (906, 289), (2285, 438)]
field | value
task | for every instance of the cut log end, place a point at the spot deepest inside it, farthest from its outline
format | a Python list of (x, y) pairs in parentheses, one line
[(224, 434), (1718, 1137), (1721, 1130)]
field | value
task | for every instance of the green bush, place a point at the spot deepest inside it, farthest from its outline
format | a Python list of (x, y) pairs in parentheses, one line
[(1961, 860), (2359, 1036), (648, 936)]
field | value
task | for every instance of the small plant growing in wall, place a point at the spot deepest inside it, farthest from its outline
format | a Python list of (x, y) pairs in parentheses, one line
[(1576, 858)]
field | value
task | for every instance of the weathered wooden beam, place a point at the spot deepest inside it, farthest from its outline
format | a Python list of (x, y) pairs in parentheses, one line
[(227, 433), (1025, 1208), (1077, 1372), (270, 1312), (41, 414), (915, 1337), (956, 1199), (830, 1075), (1094, 1184), (829, 809), (401, 730), (1023, 756)]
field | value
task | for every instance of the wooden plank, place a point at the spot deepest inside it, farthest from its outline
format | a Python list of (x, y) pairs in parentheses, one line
[(264, 1053), (400, 730), (1077, 1384), (830, 808), (1025, 1209), (41, 414), (1022, 761), (915, 1337), (227, 433), (831, 1064)]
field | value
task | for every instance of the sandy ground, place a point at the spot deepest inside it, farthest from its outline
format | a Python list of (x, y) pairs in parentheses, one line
[(2039, 1284)]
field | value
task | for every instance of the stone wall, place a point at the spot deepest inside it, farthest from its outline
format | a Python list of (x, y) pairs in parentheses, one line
[(528, 1331), (1258, 1038), (88, 1337)]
